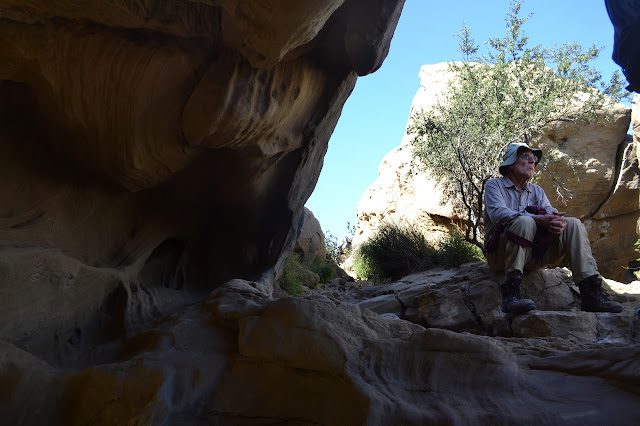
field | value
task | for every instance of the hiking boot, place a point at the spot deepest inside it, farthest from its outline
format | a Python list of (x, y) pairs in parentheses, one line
[(593, 299), (512, 300)]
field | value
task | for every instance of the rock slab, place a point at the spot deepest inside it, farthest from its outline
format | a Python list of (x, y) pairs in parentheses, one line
[(241, 357)]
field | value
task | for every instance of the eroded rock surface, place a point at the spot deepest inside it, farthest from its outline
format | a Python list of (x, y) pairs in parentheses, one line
[(401, 192), (168, 146), (240, 357), (635, 123), (150, 152)]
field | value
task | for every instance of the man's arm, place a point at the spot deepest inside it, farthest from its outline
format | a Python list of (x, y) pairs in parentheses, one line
[(496, 206), (554, 222), (543, 201)]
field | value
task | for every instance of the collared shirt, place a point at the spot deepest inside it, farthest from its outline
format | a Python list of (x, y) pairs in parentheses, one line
[(503, 202)]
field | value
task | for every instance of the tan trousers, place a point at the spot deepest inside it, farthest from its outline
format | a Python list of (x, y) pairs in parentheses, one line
[(572, 243)]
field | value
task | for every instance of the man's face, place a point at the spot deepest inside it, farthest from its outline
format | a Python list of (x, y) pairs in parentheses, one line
[(525, 165)]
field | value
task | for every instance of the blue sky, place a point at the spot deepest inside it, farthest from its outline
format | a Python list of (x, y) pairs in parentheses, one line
[(374, 117)]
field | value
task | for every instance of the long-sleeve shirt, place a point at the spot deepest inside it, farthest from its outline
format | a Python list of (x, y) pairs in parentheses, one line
[(503, 203)]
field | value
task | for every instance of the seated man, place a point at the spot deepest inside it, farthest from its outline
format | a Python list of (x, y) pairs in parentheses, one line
[(522, 230)]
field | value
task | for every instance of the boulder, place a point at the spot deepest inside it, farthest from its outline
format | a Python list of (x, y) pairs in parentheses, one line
[(596, 163), (602, 185), (402, 192), (187, 135), (169, 144), (467, 299), (310, 242)]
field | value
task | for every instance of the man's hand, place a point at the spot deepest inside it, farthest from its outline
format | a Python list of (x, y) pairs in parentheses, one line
[(553, 222)]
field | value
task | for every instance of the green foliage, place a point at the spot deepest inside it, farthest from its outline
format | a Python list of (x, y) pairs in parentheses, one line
[(298, 274), (507, 95), (361, 265), (395, 251), (325, 270), (337, 252), (331, 246), (453, 250), (292, 276), (399, 250)]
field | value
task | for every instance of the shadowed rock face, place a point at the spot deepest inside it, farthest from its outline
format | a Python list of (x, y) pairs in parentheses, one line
[(167, 146), (128, 124), (310, 243), (151, 151)]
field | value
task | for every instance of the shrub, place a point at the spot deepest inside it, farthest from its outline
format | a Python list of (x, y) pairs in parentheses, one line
[(453, 250), (399, 250), (291, 276), (361, 265), (395, 251), (331, 246), (324, 270), (297, 274), (338, 252)]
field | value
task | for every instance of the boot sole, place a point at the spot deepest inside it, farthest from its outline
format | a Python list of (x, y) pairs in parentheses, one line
[(519, 311)]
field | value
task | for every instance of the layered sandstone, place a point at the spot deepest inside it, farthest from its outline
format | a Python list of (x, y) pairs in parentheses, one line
[(401, 191), (240, 357), (150, 152)]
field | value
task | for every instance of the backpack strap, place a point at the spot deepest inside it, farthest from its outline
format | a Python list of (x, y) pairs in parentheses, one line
[(521, 241), (542, 240)]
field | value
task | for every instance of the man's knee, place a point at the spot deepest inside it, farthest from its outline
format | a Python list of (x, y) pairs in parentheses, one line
[(575, 229), (523, 226), (575, 225), (573, 222)]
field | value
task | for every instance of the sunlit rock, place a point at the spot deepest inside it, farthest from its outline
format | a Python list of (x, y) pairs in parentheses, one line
[(597, 165)]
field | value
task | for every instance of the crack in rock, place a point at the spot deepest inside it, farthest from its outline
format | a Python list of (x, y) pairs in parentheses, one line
[(466, 299), (620, 154)]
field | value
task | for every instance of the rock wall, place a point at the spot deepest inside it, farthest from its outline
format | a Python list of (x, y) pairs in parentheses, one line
[(401, 191), (133, 128), (151, 151), (603, 185), (310, 242), (635, 123)]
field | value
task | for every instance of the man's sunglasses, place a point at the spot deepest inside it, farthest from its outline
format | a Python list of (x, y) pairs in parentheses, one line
[(529, 157)]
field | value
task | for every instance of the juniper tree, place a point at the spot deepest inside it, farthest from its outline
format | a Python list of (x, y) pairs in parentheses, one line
[(507, 95)]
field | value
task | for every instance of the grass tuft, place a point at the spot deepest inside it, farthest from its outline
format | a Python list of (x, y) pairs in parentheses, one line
[(297, 274), (291, 276), (399, 250)]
